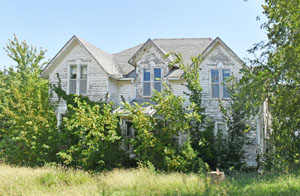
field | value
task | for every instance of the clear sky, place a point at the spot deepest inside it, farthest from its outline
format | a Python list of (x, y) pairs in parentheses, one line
[(115, 25)]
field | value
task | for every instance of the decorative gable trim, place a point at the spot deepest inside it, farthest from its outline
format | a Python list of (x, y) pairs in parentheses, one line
[(178, 73), (214, 44), (138, 55)]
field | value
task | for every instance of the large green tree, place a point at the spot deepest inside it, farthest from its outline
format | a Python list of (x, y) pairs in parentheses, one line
[(28, 123), (274, 78), (155, 136)]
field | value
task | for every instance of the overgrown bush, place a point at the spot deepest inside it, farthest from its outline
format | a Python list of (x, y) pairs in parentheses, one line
[(89, 133), (28, 129), (154, 134)]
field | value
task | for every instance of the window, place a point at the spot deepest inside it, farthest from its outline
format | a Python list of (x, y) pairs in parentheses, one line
[(225, 77), (218, 83), (83, 79), (220, 129), (78, 83), (73, 79), (129, 135), (149, 82)]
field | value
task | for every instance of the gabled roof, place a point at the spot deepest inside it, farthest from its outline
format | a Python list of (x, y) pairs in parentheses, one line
[(142, 50), (188, 47), (104, 59), (118, 65), (121, 58), (176, 74), (215, 43)]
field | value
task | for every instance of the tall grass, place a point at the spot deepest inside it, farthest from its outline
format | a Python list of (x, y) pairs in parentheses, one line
[(141, 181)]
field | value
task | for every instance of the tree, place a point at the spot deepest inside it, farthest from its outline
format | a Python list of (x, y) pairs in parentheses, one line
[(201, 126), (231, 150), (91, 136), (154, 135), (28, 122), (274, 77)]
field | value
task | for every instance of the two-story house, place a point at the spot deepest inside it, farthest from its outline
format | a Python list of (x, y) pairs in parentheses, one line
[(133, 73)]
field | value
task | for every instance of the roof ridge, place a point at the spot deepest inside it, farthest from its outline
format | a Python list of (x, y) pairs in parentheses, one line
[(82, 40), (127, 49), (184, 38)]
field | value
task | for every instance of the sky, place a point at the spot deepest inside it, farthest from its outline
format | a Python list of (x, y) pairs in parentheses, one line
[(115, 25)]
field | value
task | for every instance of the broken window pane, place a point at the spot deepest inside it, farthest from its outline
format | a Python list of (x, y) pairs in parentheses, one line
[(73, 72), (157, 74)]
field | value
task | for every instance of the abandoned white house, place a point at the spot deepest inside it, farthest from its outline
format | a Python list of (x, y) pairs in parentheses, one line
[(133, 73)]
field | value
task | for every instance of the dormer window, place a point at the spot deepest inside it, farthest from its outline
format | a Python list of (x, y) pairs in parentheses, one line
[(78, 83), (218, 83), (151, 80)]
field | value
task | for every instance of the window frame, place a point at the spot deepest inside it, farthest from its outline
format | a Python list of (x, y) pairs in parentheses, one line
[(152, 80), (78, 77), (224, 135), (143, 82), (157, 81), (221, 83)]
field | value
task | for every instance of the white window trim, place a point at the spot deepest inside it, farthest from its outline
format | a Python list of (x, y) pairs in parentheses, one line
[(220, 83), (78, 77), (151, 80), (216, 128)]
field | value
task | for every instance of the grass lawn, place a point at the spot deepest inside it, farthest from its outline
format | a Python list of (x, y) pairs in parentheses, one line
[(58, 181)]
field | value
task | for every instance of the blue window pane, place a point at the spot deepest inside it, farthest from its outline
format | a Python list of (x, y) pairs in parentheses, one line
[(157, 74), (225, 92), (157, 86), (146, 89), (215, 76), (215, 90), (225, 74), (146, 74)]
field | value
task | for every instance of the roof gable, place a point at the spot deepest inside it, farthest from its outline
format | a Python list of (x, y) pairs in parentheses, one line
[(188, 47), (105, 60), (177, 74), (138, 55), (214, 44)]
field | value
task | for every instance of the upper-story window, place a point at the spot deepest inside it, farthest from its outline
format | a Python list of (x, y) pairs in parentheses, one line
[(153, 82), (218, 83), (78, 82)]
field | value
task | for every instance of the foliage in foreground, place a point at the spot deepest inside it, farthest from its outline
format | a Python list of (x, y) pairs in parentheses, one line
[(274, 78), (54, 180), (91, 136), (28, 130), (155, 134)]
